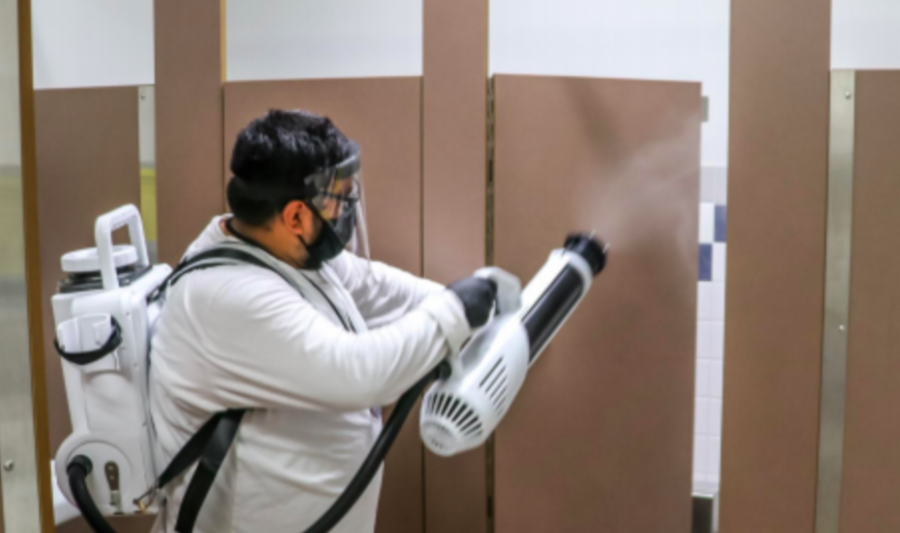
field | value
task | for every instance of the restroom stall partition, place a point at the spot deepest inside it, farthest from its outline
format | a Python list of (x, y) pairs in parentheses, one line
[(777, 198), (384, 116), (606, 414), (455, 148), (87, 164), (600, 437), (870, 488)]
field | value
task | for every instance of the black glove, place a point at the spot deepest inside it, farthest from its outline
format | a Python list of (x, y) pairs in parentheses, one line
[(477, 296)]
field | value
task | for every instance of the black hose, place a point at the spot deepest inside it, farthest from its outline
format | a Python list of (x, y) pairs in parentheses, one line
[(376, 456), (79, 469)]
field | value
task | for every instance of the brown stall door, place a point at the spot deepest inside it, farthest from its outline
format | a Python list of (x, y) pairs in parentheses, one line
[(600, 436), (871, 484), (454, 165), (384, 116), (87, 164)]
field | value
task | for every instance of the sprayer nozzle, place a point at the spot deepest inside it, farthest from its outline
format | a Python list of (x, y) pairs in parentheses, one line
[(590, 248)]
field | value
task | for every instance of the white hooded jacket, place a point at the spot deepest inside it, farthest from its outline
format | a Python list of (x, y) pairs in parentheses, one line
[(241, 337)]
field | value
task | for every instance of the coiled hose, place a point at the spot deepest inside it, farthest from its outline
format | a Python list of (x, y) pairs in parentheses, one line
[(81, 467)]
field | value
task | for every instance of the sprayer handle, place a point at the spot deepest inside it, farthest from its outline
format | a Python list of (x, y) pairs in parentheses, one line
[(103, 230), (509, 288)]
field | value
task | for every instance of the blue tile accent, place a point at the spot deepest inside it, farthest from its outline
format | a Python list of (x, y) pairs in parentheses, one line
[(706, 262), (721, 222)]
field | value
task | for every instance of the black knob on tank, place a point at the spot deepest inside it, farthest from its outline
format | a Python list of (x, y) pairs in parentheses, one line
[(590, 248)]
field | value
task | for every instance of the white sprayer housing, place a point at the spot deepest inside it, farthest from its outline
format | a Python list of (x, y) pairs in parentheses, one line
[(460, 413), (103, 303)]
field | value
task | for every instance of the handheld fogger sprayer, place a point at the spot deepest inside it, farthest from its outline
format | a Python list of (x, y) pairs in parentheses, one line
[(105, 313)]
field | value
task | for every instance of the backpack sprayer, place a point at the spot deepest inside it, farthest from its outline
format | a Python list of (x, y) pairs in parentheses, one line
[(105, 313)]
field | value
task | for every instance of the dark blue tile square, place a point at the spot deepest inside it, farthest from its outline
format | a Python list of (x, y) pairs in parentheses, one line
[(721, 222), (706, 262)]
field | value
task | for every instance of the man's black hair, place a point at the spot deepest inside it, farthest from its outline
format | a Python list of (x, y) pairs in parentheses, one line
[(272, 157)]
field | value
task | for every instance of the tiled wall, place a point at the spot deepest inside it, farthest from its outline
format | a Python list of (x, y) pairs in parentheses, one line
[(710, 327)]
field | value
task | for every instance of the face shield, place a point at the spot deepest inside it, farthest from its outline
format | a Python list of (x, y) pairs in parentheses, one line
[(339, 202)]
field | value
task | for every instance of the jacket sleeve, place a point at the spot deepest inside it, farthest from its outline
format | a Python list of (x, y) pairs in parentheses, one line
[(268, 347), (381, 292)]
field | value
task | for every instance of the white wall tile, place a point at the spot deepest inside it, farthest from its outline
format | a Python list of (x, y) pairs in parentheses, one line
[(707, 222), (718, 298), (704, 340), (710, 344), (702, 415), (714, 458), (716, 342), (705, 308), (721, 187), (701, 458), (699, 419), (715, 418), (718, 261), (704, 379), (716, 378), (713, 184), (699, 380)]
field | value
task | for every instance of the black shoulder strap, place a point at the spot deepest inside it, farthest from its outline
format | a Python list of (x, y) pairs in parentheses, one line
[(211, 443), (213, 258), (211, 449)]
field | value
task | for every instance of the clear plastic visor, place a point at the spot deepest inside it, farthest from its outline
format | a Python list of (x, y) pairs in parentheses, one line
[(340, 203)]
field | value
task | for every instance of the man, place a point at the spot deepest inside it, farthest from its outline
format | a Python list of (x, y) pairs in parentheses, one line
[(312, 366)]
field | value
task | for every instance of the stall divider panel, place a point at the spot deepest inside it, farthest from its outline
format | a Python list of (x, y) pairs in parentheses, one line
[(455, 183), (777, 205), (600, 437), (871, 479), (189, 47)]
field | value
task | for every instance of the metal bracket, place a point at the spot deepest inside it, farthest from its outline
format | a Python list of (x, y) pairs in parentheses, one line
[(837, 301)]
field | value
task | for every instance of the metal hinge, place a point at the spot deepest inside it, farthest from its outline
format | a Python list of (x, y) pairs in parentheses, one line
[(489, 200), (490, 121)]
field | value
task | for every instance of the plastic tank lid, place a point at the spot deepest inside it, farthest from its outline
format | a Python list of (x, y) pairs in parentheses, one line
[(87, 260)]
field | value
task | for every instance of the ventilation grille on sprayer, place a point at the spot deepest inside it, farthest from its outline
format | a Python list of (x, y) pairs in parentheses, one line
[(455, 412), (495, 386)]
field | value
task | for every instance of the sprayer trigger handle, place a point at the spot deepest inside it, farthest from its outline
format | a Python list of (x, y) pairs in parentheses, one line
[(509, 288)]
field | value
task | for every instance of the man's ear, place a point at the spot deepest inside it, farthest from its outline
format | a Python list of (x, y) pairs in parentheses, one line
[(293, 216)]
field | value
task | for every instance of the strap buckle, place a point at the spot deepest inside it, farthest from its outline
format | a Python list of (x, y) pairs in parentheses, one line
[(145, 500)]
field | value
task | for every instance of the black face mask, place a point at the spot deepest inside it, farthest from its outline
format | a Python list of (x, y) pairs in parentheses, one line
[(332, 239)]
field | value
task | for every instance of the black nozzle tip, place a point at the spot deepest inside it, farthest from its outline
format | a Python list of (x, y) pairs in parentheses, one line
[(590, 248)]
